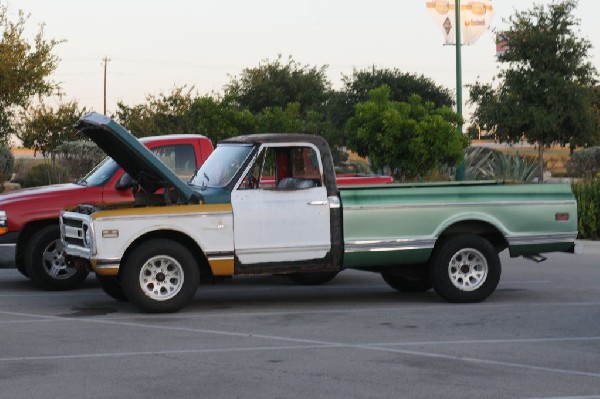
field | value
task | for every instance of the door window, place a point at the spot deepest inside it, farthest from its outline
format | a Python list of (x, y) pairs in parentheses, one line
[(284, 168)]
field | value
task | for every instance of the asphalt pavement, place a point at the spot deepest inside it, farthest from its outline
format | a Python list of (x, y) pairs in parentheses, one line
[(537, 336)]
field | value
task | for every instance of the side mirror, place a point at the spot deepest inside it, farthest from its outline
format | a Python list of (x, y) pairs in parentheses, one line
[(125, 182)]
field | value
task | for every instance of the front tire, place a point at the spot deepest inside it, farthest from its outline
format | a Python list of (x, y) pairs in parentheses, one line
[(111, 285), (45, 264), (464, 269), (160, 276)]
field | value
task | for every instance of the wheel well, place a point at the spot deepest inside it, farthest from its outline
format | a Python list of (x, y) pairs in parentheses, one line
[(476, 227), (25, 235), (179, 237)]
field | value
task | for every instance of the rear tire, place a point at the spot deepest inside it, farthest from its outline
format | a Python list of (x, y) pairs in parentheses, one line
[(405, 283), (45, 262), (160, 276), (112, 286), (312, 278), (465, 268)]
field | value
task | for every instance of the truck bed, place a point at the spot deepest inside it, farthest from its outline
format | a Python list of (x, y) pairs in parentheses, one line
[(400, 223)]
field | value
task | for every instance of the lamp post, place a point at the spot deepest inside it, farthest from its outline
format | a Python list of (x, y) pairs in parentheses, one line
[(460, 169), (457, 28), (477, 16)]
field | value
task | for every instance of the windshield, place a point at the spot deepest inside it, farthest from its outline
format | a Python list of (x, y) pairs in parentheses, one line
[(101, 173), (221, 166)]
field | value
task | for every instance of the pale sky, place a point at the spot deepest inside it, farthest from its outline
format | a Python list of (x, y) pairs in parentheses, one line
[(155, 46)]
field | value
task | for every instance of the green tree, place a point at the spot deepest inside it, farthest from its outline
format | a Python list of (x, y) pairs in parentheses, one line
[(277, 84), (545, 89), (162, 114), (25, 67), (44, 129), (181, 112), (402, 85), (411, 138), (219, 118)]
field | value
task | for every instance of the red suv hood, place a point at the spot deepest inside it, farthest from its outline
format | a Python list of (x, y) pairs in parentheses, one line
[(41, 194)]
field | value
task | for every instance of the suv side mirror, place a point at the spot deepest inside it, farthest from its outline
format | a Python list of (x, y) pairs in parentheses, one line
[(125, 182)]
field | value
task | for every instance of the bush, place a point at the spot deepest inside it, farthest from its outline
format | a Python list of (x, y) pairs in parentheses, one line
[(483, 163), (79, 157), (44, 174), (7, 164), (584, 163), (587, 193)]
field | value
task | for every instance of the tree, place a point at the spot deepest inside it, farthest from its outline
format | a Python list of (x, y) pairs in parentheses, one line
[(162, 114), (411, 138), (219, 118), (545, 90), (25, 67), (402, 85), (181, 112), (277, 84), (44, 128)]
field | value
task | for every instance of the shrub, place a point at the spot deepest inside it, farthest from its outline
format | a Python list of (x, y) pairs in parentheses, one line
[(79, 157), (43, 174), (587, 193), (7, 164), (483, 163), (479, 163), (584, 163)]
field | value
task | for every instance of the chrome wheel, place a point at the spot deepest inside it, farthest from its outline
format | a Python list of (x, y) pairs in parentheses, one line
[(53, 259), (161, 277), (468, 269)]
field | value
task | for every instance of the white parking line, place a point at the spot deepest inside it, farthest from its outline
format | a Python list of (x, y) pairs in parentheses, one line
[(566, 397), (154, 353), (382, 347)]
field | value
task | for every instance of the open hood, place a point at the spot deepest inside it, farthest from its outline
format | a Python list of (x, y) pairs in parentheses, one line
[(137, 160)]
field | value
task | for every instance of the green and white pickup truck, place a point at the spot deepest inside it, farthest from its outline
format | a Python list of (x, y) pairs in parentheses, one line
[(269, 204)]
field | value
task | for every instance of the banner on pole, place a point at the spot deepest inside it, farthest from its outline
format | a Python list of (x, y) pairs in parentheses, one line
[(476, 17)]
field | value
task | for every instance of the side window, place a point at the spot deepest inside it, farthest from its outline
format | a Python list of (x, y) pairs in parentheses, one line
[(262, 173), (284, 168), (180, 158)]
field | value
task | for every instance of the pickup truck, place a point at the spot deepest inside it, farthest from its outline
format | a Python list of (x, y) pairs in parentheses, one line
[(226, 222), (29, 217)]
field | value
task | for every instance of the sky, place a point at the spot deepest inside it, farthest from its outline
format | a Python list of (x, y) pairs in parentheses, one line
[(155, 46)]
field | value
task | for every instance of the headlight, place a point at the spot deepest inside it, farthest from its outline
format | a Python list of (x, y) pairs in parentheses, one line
[(87, 236), (3, 222)]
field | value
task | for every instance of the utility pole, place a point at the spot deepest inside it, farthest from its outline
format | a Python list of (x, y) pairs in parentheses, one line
[(105, 62)]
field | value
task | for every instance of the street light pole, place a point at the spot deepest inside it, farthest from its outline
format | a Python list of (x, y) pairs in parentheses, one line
[(460, 170), (458, 63)]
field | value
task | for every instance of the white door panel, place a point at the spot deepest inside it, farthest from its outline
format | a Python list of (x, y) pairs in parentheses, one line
[(281, 226)]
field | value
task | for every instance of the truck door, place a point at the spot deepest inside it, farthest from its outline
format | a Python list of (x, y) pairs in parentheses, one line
[(280, 211)]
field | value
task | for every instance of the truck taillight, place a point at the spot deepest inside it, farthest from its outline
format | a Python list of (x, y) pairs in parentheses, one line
[(562, 216)]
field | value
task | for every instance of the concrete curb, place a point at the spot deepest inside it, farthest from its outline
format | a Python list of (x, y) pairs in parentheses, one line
[(589, 246)]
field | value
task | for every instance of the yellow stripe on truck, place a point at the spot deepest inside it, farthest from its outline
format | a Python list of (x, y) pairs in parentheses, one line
[(221, 266), (162, 210)]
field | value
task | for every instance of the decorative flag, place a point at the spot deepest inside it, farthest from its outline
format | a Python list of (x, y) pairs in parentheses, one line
[(475, 16)]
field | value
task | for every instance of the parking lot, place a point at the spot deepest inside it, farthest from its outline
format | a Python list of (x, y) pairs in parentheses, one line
[(538, 336)]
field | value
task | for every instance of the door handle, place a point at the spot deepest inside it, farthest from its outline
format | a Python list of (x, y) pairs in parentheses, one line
[(318, 203)]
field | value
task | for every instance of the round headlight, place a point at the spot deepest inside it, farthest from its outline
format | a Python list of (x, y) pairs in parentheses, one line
[(87, 236)]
